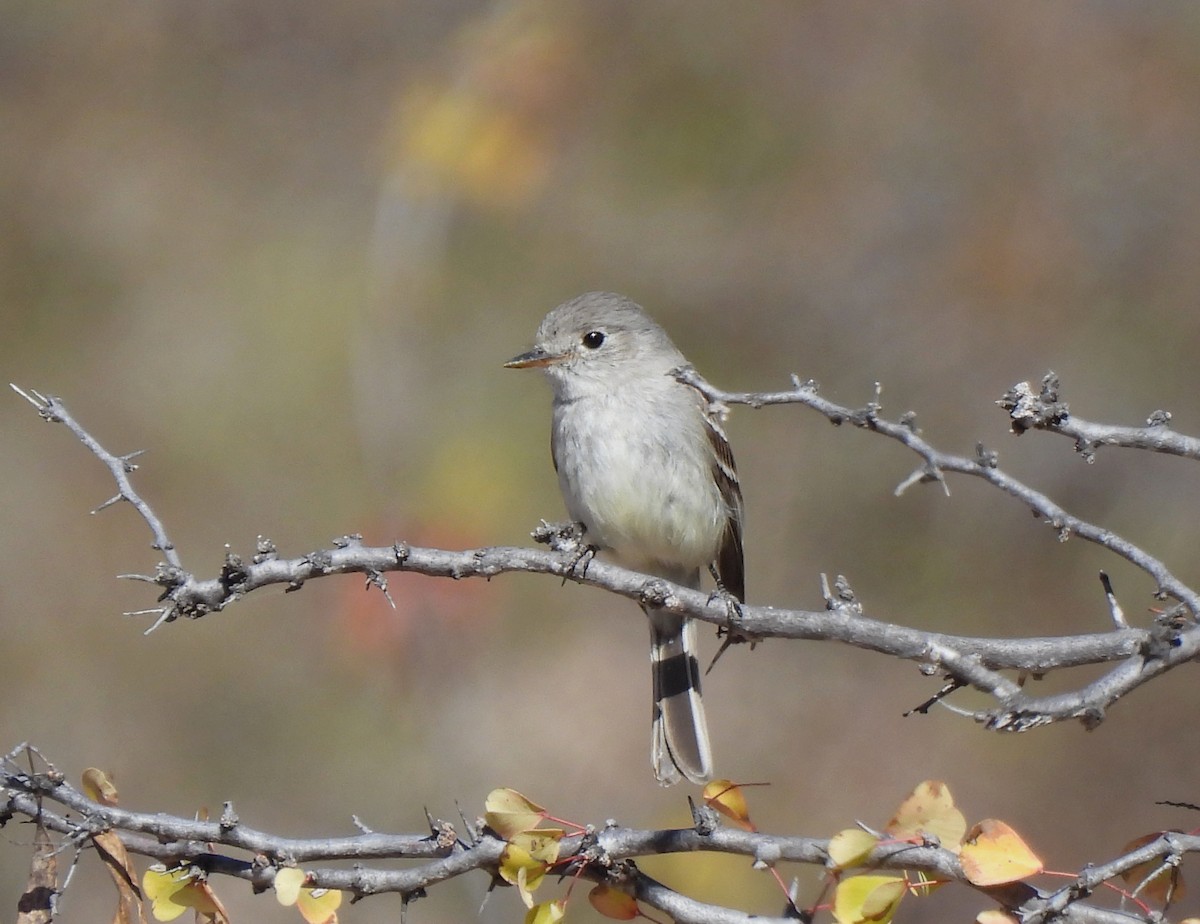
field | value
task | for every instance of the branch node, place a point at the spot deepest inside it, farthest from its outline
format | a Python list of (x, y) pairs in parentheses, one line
[(986, 458), (1029, 411), (264, 550), (229, 819), (233, 574), (704, 817), (1159, 418), (320, 560), (655, 594), (841, 599), (378, 579)]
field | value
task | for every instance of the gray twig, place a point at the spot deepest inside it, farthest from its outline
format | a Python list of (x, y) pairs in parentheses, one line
[(596, 854)]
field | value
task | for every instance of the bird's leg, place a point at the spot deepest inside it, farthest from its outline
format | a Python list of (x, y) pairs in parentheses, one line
[(730, 632), (567, 539)]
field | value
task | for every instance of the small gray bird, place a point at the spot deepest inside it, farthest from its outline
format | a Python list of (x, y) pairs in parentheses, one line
[(646, 467)]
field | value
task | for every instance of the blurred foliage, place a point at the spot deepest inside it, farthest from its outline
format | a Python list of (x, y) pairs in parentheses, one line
[(286, 247)]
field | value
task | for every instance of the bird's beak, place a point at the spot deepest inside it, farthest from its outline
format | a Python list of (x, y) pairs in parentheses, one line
[(534, 359)]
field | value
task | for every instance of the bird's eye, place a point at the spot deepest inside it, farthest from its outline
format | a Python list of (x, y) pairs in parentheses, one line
[(593, 338)]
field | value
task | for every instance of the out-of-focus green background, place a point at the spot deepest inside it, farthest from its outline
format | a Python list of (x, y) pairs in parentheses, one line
[(286, 248)]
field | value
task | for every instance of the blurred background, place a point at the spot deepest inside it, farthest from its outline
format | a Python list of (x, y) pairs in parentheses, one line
[(285, 248)]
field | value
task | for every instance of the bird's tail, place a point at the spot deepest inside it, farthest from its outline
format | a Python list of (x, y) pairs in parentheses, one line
[(679, 747)]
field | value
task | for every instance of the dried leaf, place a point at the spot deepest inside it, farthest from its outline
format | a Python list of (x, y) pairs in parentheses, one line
[(613, 903), (867, 899), (728, 799), (36, 904), (98, 786), (319, 906), (851, 847), (288, 882), (546, 913), (1165, 883), (116, 859), (929, 811), (993, 854), (507, 812), (174, 891)]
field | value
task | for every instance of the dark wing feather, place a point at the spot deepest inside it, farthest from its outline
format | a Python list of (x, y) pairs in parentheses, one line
[(730, 565)]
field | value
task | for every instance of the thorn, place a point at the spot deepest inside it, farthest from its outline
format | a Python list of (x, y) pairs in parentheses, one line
[(377, 579), (167, 616), (115, 499), (37, 399)]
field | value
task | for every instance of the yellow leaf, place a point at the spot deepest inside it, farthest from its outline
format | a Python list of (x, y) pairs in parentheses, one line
[(319, 906), (546, 913), (542, 844), (929, 812), (727, 798), (996, 916), (518, 867), (613, 903), (1166, 884), (172, 892), (993, 854), (507, 812), (287, 884), (867, 899), (851, 847), (98, 786)]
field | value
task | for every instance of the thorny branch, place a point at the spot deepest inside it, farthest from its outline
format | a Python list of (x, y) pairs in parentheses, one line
[(596, 854), (1137, 654)]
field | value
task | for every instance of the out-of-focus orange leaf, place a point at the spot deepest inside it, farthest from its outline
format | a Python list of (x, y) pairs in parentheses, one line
[(98, 786), (851, 847), (36, 904), (613, 903), (1167, 882), (507, 812), (929, 811), (993, 854), (546, 913), (868, 899), (728, 799)]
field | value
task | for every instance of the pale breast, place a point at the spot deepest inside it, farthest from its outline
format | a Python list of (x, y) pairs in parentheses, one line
[(641, 483)]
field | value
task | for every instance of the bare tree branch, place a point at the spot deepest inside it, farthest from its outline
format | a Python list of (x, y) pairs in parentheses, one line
[(1139, 655), (1044, 411), (937, 463), (599, 855)]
